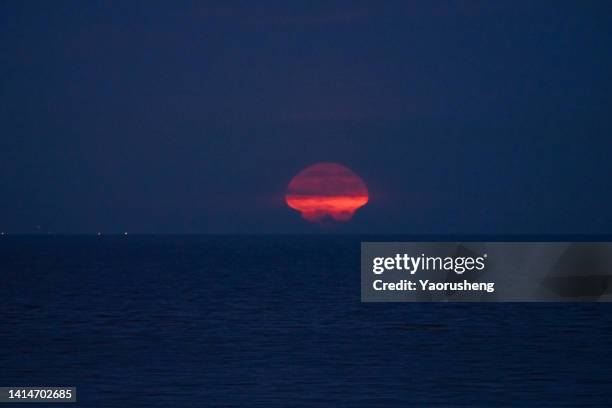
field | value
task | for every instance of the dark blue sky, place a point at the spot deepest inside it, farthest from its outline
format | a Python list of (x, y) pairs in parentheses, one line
[(462, 117)]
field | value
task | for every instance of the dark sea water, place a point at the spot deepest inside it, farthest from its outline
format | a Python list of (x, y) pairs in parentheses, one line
[(229, 321)]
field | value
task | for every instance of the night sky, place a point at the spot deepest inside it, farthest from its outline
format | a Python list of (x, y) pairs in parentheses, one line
[(192, 117)]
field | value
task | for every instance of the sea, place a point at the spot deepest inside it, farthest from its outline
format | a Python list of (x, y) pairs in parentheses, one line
[(275, 321)]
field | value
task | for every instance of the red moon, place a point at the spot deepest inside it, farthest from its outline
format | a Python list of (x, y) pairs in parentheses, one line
[(327, 190)]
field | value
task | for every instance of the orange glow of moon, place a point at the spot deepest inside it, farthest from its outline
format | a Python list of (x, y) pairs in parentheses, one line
[(326, 190)]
